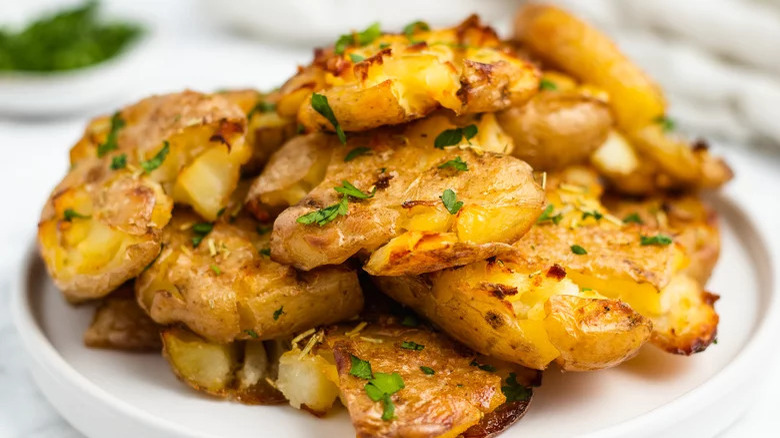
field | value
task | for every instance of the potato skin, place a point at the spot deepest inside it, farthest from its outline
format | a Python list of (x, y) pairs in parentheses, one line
[(555, 129), (404, 227), (226, 290), (116, 234), (120, 324)]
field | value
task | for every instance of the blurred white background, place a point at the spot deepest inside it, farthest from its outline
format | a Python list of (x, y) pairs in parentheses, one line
[(718, 60)]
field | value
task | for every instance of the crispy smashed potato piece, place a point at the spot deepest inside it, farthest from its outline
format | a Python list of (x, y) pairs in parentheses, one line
[(120, 324), (394, 79), (238, 371), (555, 129), (227, 287), (457, 398), (100, 228), (404, 227), (266, 130), (191, 143)]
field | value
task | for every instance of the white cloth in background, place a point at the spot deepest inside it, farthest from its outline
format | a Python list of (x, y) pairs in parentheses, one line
[(717, 60)]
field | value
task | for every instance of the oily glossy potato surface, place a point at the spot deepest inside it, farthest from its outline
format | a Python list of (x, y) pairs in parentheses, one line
[(227, 288)]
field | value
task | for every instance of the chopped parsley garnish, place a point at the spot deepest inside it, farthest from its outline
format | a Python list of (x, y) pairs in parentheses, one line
[(410, 320), (546, 84), (514, 391), (261, 107), (483, 367), (252, 334), (548, 216), (266, 252), (264, 229), (320, 104), (360, 39), (354, 57), (110, 144), (361, 368), (119, 162), (451, 137), (658, 239), (300, 129), (354, 153), (633, 218), (326, 215), (666, 123), (381, 387), (348, 189), (576, 249), (412, 28), (427, 370), (411, 345), (216, 269), (450, 201), (278, 312), (594, 214), (221, 211), (71, 214), (149, 165), (201, 230), (457, 164)]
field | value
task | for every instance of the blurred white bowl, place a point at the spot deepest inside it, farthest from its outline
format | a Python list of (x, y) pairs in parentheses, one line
[(320, 21), (50, 94)]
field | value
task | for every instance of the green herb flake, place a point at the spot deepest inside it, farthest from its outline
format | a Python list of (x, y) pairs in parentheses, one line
[(413, 27), (149, 165), (216, 269), (457, 164), (450, 201), (261, 107), (326, 215), (278, 312), (320, 104), (546, 84), (110, 144), (451, 137), (427, 370), (221, 211), (411, 345), (348, 189), (354, 153), (514, 391), (666, 123), (119, 162), (70, 214), (361, 368), (252, 334), (360, 39), (576, 249), (483, 367), (594, 214), (264, 229), (547, 216), (265, 252), (658, 239), (633, 218), (387, 383), (383, 46), (388, 408), (200, 229), (354, 57)]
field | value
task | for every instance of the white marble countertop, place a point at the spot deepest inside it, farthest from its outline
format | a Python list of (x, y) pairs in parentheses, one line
[(189, 52)]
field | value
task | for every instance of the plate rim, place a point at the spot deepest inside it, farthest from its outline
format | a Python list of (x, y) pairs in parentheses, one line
[(732, 376)]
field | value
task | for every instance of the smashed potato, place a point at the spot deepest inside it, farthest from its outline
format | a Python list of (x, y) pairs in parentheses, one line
[(100, 228), (442, 389), (120, 324), (219, 280), (190, 143), (423, 208), (238, 371), (376, 79)]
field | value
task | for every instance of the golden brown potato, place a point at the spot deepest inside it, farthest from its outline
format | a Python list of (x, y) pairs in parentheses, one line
[(266, 131), (239, 371), (555, 129), (191, 143), (403, 225), (576, 48), (443, 389), (121, 325), (100, 228), (387, 79), (227, 288)]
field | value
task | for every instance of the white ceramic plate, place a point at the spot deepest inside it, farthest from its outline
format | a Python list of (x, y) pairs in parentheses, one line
[(104, 393)]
